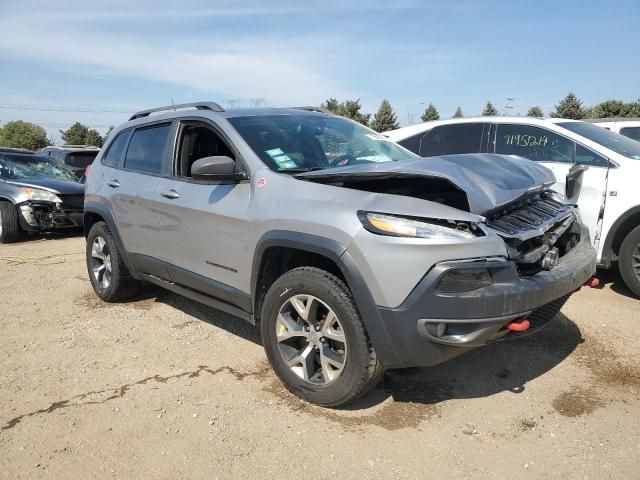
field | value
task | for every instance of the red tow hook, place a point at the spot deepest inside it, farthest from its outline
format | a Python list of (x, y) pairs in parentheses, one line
[(521, 325), (593, 282)]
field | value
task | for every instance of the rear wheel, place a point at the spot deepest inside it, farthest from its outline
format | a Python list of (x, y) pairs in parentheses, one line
[(9, 225), (110, 277), (629, 261), (315, 340)]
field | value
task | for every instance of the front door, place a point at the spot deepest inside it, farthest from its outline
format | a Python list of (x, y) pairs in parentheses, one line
[(205, 225), (563, 157)]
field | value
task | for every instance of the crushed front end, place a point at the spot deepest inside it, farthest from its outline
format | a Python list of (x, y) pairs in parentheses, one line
[(467, 303), (41, 216)]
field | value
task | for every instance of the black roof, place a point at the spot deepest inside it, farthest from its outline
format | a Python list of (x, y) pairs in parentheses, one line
[(15, 150)]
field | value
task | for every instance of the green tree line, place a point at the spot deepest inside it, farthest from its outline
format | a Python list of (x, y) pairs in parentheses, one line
[(21, 134)]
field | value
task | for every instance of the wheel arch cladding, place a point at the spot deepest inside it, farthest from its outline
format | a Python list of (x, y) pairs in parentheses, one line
[(284, 248), (95, 212)]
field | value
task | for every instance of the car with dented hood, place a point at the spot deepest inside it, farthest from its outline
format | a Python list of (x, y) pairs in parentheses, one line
[(37, 196), (595, 168), (352, 254)]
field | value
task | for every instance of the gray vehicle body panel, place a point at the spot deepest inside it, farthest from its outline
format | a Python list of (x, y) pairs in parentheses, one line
[(490, 181), (218, 231)]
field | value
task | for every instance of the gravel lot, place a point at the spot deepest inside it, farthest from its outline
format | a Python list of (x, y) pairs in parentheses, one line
[(166, 388)]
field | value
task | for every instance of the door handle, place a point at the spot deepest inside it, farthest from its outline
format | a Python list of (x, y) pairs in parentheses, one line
[(171, 194), (113, 183)]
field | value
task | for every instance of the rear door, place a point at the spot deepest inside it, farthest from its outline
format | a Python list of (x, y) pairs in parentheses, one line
[(134, 194), (565, 158)]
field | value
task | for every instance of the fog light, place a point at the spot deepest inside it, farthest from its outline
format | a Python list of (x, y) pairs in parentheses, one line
[(465, 280), (27, 214), (440, 329)]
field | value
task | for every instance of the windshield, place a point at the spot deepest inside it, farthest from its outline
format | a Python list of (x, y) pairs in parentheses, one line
[(22, 167), (611, 140), (313, 142)]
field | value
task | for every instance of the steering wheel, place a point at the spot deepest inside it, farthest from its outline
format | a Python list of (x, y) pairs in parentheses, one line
[(344, 160)]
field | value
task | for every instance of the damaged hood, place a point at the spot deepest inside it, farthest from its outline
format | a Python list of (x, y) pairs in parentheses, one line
[(54, 185), (490, 181)]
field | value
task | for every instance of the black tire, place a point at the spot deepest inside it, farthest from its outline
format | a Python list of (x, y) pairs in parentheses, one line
[(10, 226), (361, 371), (121, 285), (629, 261)]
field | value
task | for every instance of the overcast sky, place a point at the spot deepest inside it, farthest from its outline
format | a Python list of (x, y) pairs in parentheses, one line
[(124, 55)]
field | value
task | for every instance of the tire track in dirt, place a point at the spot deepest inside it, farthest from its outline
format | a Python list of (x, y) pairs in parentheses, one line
[(119, 392)]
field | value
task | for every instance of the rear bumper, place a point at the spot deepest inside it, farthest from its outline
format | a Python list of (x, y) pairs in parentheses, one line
[(431, 327)]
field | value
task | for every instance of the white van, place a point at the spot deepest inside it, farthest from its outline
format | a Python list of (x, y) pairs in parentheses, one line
[(629, 127)]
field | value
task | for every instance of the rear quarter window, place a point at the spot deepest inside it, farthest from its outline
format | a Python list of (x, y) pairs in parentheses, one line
[(114, 151), (453, 139)]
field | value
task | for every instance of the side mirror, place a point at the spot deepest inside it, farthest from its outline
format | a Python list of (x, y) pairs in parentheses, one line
[(216, 168), (572, 183)]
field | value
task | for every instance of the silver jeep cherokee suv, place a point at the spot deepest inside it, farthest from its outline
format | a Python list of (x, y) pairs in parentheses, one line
[(351, 253)]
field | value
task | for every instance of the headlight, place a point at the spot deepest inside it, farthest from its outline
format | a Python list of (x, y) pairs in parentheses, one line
[(40, 195), (384, 224)]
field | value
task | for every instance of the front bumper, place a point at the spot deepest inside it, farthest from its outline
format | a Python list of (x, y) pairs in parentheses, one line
[(430, 326), (48, 217)]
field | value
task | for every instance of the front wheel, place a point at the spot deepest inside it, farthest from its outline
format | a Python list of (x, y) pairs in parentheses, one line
[(315, 340), (629, 261), (9, 225)]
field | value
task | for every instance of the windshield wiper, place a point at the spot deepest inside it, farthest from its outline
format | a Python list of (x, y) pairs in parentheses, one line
[(300, 169)]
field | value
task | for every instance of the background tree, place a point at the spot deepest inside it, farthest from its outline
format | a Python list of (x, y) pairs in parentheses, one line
[(93, 138), (349, 109), (385, 119), (611, 108), (489, 110), (458, 113), (79, 134), (535, 111), (430, 113), (569, 107), (106, 135), (19, 134)]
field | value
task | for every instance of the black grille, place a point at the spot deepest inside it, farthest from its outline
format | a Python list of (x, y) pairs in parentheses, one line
[(533, 227), (72, 202), (543, 315), (529, 216), (540, 317)]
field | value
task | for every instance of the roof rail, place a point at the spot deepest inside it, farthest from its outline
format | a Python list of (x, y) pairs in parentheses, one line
[(214, 107), (313, 109)]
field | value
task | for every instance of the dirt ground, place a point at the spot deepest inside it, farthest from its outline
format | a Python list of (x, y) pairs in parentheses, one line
[(166, 388)]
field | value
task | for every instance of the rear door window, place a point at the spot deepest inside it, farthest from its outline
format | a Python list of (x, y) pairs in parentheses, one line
[(453, 139), (146, 149), (631, 132), (534, 143)]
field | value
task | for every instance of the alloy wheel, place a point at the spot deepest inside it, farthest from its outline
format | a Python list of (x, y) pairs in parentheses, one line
[(101, 262), (635, 260), (311, 339)]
